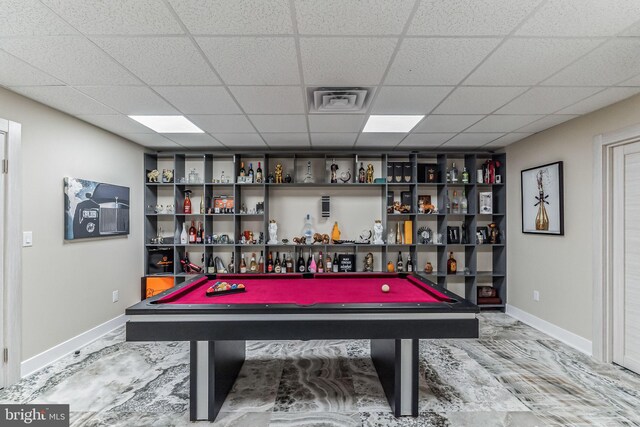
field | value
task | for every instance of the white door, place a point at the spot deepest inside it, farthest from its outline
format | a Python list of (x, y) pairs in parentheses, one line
[(626, 256), (3, 313)]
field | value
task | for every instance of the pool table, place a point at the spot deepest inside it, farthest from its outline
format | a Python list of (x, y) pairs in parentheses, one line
[(302, 307)]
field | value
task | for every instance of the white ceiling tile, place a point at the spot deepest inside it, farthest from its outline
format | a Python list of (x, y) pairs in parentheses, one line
[(547, 122), (599, 100), (151, 140), (194, 140), (354, 61), (253, 60), (242, 140), (117, 16), (74, 60), (63, 98), (343, 139), (611, 63), (279, 123), (525, 62), (269, 99), (15, 72), (546, 100), (336, 17), (471, 139), (138, 100), (581, 18), (437, 61), (294, 140), (199, 99), (634, 81), (160, 60), (235, 16), (425, 140), (30, 17), (447, 123), (409, 99), (477, 100), (508, 139), (469, 17), (222, 123), (634, 30), (388, 140), (503, 123), (116, 123), (341, 123)]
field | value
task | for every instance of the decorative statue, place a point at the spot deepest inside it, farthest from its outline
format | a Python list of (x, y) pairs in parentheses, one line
[(308, 178), (368, 262), (377, 233), (278, 177), (345, 176), (167, 175), (288, 179), (370, 174), (153, 175), (273, 231), (334, 173), (335, 232)]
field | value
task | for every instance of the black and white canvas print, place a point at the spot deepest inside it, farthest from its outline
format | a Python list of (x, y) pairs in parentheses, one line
[(94, 209), (542, 201)]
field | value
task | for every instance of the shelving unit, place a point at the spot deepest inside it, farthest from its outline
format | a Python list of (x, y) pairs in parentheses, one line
[(486, 262)]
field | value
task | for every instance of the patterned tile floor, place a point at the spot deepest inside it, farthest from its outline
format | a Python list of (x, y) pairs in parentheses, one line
[(512, 376)]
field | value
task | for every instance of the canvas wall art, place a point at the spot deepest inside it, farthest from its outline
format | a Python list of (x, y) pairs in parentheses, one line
[(542, 200)]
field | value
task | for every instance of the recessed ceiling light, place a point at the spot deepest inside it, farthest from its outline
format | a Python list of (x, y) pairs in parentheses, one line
[(391, 123), (168, 124)]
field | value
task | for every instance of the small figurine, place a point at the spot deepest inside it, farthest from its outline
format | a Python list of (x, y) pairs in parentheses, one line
[(308, 178), (167, 175), (428, 268), (273, 231), (377, 233), (278, 177), (370, 174), (288, 179), (152, 176), (368, 262), (335, 232), (334, 173), (494, 234), (345, 176), (270, 178)]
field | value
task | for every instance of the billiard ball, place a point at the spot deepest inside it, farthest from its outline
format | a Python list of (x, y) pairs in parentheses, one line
[(385, 288)]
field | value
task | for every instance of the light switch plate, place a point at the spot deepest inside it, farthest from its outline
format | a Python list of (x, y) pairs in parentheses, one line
[(27, 238)]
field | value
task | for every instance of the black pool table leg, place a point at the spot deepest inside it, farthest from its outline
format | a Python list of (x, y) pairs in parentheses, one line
[(214, 368), (396, 361)]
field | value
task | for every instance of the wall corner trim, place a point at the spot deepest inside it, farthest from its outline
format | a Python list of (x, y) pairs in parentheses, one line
[(569, 338), (57, 352)]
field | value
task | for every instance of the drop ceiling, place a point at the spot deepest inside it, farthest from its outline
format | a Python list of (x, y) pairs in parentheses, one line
[(485, 73)]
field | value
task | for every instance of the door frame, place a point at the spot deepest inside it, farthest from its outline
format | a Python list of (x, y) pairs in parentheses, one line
[(603, 260), (13, 254)]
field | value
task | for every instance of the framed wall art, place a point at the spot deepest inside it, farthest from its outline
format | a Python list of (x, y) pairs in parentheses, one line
[(542, 200)]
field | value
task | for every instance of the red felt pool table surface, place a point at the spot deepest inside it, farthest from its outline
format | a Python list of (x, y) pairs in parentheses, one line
[(321, 289)]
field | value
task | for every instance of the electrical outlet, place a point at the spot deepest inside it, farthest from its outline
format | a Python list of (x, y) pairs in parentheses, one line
[(115, 296), (27, 238), (536, 296)]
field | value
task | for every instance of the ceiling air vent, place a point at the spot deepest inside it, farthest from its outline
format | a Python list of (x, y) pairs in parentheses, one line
[(339, 100)]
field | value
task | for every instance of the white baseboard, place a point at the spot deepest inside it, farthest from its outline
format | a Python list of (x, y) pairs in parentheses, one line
[(576, 341), (47, 357)]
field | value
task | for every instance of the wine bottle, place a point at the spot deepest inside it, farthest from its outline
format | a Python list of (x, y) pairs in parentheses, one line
[(283, 264), (399, 264), (186, 206), (242, 171), (277, 267), (260, 268), (320, 263), (198, 233), (211, 267), (243, 264), (269, 262), (250, 172), (231, 268), (253, 265), (309, 260), (192, 233), (301, 265), (290, 264), (259, 174), (334, 265), (452, 264), (409, 264), (328, 267), (184, 237)]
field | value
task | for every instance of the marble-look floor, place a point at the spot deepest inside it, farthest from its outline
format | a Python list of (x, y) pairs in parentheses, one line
[(512, 376)]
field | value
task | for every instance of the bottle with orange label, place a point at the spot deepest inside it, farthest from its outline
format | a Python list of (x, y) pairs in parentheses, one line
[(187, 202)]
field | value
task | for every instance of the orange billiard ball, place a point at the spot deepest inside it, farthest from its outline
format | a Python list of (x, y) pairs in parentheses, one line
[(385, 288)]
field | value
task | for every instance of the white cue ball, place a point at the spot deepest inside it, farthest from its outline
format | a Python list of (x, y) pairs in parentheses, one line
[(385, 288)]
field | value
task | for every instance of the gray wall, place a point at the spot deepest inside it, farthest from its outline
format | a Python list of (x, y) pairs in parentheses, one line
[(67, 287)]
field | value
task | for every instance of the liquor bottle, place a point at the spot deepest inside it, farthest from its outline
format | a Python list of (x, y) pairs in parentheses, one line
[(277, 267), (447, 202), (242, 171), (390, 267), (398, 234), (184, 237), (260, 268), (309, 262), (253, 265), (301, 265), (448, 175), (307, 230), (250, 174), (327, 264), (361, 175), (320, 263), (192, 233), (231, 268), (259, 174), (409, 264), (198, 234), (464, 203), (211, 266), (283, 264), (290, 264), (334, 265), (454, 173), (452, 264), (186, 207), (465, 175), (269, 262), (243, 265), (399, 263), (455, 205)]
